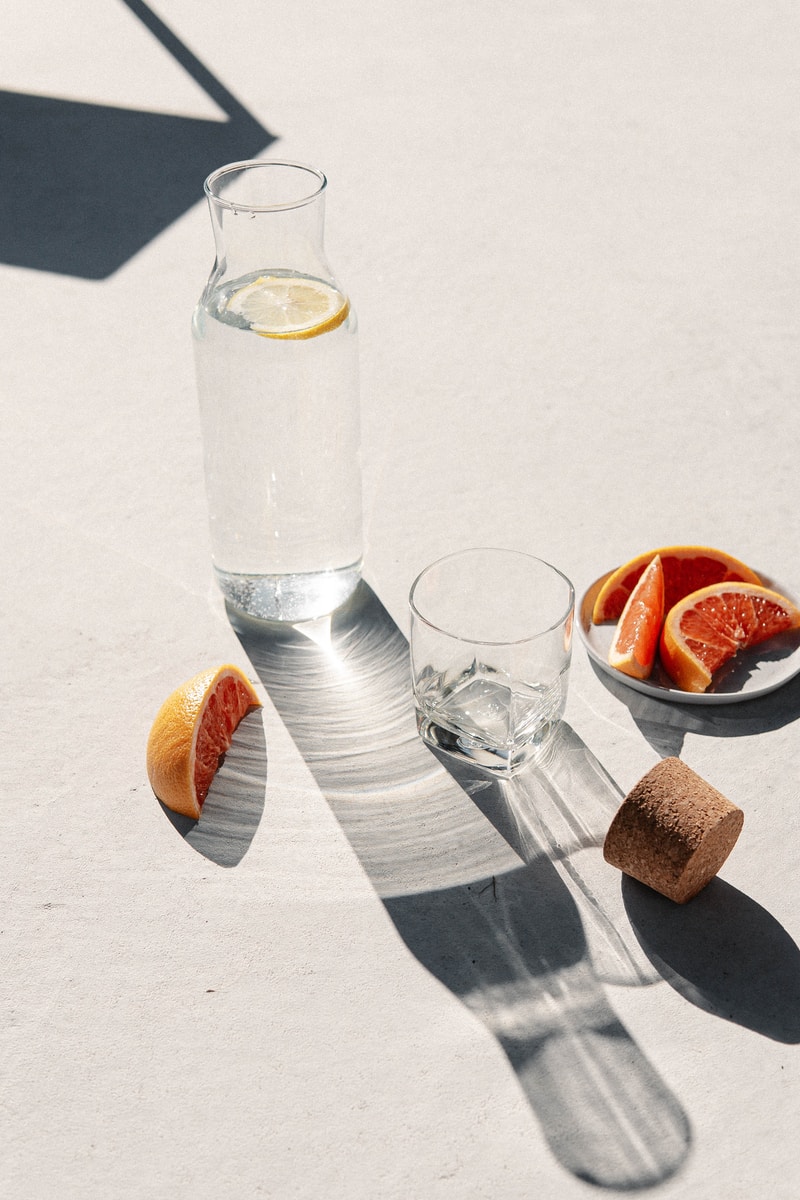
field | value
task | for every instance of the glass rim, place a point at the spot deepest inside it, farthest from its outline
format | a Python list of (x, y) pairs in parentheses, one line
[(472, 641), (230, 169)]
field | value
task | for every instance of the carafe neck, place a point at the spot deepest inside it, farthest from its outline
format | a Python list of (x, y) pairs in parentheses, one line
[(268, 216)]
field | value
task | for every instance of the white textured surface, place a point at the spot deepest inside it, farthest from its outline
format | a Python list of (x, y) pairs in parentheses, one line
[(570, 232)]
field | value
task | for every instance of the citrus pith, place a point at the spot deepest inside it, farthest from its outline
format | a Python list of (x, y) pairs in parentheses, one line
[(191, 731), (706, 629), (686, 569), (635, 642)]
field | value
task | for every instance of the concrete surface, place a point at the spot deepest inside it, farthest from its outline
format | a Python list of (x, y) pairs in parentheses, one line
[(570, 232)]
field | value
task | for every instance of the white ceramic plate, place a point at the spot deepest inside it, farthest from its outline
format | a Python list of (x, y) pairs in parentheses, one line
[(750, 674)]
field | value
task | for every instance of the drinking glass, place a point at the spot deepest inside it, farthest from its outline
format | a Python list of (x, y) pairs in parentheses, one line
[(491, 638)]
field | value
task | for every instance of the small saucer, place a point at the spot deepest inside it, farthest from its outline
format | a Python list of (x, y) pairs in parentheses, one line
[(751, 673)]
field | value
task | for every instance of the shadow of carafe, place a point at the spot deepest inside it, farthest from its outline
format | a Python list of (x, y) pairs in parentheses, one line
[(502, 933)]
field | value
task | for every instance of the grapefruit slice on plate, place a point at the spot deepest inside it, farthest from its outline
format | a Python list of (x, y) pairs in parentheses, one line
[(635, 642), (707, 628)]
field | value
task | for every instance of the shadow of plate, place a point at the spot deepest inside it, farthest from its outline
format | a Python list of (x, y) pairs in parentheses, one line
[(665, 724)]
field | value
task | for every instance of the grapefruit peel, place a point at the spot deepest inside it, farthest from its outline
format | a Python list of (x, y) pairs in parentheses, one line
[(192, 731)]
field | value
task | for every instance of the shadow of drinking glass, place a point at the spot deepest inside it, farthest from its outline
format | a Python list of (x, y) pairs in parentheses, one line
[(86, 186), (561, 811), (482, 907)]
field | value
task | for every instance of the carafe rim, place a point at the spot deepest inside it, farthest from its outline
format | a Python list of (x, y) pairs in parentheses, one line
[(229, 169)]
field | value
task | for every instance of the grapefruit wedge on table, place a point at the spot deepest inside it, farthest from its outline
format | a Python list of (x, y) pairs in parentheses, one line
[(707, 628), (686, 569), (192, 731)]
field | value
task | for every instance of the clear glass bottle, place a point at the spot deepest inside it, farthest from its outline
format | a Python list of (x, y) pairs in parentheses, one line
[(276, 352)]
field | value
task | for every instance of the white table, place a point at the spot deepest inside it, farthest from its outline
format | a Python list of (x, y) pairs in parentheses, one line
[(570, 233)]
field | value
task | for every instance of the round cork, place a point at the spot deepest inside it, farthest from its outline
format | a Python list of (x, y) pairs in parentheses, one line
[(673, 831)]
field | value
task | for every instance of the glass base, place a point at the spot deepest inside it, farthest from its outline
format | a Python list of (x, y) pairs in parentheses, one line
[(499, 759), (292, 598)]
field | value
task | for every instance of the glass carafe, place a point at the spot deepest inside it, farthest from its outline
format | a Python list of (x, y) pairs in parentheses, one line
[(276, 352)]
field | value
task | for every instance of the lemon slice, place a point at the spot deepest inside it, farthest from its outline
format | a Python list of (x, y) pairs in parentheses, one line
[(289, 306)]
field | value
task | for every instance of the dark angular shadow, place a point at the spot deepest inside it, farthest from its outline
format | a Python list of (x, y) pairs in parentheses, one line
[(723, 953), (87, 186), (503, 934), (235, 803)]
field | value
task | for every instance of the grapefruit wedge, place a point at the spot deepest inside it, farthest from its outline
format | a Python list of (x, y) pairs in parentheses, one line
[(707, 628), (192, 730), (635, 642), (686, 569)]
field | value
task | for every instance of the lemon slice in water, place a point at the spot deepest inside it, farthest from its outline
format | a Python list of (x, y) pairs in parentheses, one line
[(289, 306)]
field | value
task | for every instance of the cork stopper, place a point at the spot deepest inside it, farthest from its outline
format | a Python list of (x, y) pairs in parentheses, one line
[(673, 831)]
